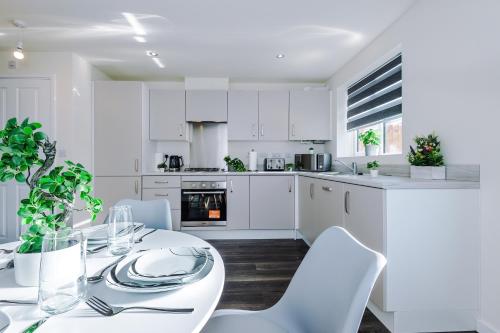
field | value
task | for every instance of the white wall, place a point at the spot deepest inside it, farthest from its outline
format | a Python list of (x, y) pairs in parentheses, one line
[(451, 84)]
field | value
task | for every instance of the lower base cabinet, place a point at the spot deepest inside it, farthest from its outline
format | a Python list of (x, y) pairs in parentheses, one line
[(113, 189), (238, 202), (272, 202)]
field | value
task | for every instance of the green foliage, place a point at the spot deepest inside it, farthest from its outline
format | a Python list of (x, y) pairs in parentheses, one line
[(370, 137), (53, 193), (234, 164), (428, 151), (373, 165)]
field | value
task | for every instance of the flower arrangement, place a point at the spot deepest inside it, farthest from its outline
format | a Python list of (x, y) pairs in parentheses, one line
[(53, 191), (427, 152)]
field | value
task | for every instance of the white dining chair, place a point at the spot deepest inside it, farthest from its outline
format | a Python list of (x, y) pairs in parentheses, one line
[(154, 214), (328, 293)]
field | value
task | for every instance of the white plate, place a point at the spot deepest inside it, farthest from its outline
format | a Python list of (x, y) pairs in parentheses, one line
[(4, 321), (118, 277), (168, 264), (98, 234)]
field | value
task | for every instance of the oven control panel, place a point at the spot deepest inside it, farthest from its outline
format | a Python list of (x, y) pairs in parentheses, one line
[(201, 185)]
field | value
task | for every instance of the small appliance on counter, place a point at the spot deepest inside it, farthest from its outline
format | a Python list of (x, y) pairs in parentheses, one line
[(274, 164), (175, 163), (313, 162)]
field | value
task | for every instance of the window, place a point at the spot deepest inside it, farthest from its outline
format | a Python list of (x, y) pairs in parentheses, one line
[(375, 102)]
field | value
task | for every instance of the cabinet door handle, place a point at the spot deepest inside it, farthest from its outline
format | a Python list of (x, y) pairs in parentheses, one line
[(136, 187), (253, 130), (293, 129), (311, 190), (181, 129), (161, 195), (161, 181), (136, 165), (261, 129), (290, 186), (327, 188), (347, 204), (231, 186)]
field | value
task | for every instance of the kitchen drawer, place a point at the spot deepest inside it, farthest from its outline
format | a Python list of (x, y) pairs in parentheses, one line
[(161, 181), (173, 195)]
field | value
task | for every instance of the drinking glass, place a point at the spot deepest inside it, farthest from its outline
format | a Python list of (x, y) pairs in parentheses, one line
[(62, 277), (120, 230)]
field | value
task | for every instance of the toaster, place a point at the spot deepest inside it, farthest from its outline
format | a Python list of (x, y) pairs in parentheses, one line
[(274, 164)]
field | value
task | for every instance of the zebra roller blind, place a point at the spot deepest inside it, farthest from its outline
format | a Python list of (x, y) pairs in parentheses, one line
[(377, 96)]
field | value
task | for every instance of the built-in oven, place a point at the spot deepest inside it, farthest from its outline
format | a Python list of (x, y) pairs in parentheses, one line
[(203, 203)]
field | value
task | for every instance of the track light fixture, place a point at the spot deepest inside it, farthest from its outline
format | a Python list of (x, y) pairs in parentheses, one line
[(18, 51)]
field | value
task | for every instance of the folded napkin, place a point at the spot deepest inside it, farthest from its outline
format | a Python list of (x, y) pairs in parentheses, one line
[(5, 259)]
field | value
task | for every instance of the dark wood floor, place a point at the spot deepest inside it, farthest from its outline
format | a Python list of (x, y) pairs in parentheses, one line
[(259, 271)]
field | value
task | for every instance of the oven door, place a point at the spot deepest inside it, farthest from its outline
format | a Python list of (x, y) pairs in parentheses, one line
[(203, 208)]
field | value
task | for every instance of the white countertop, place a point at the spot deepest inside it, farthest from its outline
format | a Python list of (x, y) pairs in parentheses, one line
[(383, 182)]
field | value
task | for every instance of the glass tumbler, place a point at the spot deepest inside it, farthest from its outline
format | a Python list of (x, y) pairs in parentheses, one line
[(120, 230), (62, 277)]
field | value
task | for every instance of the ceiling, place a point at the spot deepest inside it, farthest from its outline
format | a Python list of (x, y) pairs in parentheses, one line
[(238, 39)]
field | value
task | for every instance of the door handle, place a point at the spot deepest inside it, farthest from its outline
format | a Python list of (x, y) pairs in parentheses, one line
[(161, 181), (181, 129), (311, 190), (347, 198), (293, 129), (161, 195), (327, 188), (136, 165), (290, 186), (231, 186), (136, 187), (253, 130), (261, 129)]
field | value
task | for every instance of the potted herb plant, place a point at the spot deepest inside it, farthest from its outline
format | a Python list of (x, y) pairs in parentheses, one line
[(234, 164), (53, 195), (373, 167), (371, 141), (427, 161)]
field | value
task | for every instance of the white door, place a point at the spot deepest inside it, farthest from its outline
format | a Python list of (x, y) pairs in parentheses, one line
[(272, 202), (273, 115), (167, 115), (242, 115), (117, 128), (21, 98), (238, 202), (206, 105), (310, 115), (113, 189)]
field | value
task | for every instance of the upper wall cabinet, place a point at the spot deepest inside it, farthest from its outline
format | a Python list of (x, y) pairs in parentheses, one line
[(243, 115), (167, 115), (273, 115), (117, 128), (206, 105), (310, 115)]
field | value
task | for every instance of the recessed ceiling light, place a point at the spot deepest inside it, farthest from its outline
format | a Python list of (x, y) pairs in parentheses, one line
[(280, 56), (158, 62), (134, 22), (152, 53), (140, 39)]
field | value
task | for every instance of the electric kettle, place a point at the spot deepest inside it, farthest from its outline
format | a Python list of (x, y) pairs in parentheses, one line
[(175, 163)]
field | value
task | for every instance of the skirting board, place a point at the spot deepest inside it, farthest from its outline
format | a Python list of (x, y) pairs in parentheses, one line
[(483, 327), (426, 321), (244, 234)]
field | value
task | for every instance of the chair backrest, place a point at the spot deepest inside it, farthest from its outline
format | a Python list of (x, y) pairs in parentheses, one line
[(154, 214), (331, 287)]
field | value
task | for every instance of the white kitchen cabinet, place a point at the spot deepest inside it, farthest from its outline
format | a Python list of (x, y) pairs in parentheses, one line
[(113, 189), (320, 206), (238, 202), (243, 118), (167, 115), (272, 202), (173, 195), (310, 115), (206, 105), (273, 115), (117, 128)]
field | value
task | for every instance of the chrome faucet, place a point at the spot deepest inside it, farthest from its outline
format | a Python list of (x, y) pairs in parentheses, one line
[(353, 168)]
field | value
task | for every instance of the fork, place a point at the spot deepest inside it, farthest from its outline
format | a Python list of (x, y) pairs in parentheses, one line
[(142, 237), (109, 310)]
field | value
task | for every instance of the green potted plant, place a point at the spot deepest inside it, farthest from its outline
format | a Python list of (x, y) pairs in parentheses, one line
[(373, 167), (426, 159), (234, 164), (371, 141), (53, 194)]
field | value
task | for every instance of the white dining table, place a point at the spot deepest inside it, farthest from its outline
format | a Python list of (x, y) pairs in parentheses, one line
[(202, 295)]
